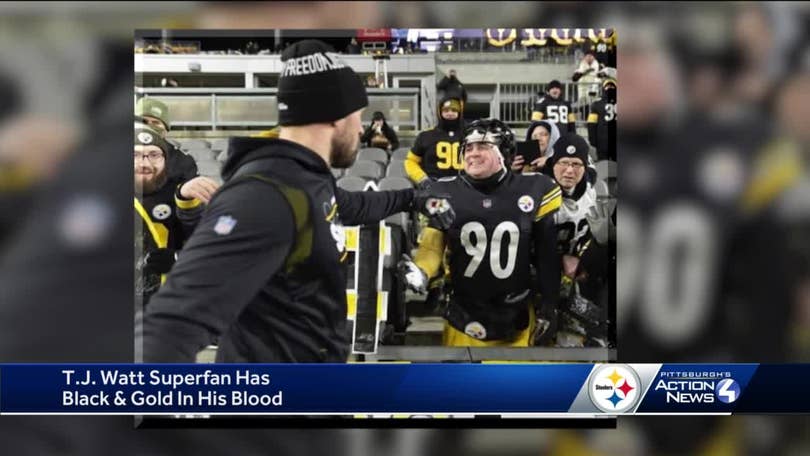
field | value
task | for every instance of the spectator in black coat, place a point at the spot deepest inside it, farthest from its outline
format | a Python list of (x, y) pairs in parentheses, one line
[(380, 134), (451, 87)]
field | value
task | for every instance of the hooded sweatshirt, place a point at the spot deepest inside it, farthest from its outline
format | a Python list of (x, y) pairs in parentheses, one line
[(265, 269)]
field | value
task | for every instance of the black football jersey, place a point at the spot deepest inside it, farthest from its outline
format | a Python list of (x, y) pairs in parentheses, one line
[(440, 152), (602, 129), (490, 240), (558, 111)]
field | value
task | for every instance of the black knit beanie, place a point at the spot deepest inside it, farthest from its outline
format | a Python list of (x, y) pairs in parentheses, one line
[(316, 86), (570, 145)]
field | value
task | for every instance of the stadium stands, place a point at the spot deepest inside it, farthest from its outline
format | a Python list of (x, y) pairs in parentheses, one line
[(373, 154), (396, 169), (400, 153), (352, 183), (368, 170)]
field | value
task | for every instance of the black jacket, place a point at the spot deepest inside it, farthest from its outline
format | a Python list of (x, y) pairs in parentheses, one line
[(181, 166), (387, 131), (452, 88), (264, 269)]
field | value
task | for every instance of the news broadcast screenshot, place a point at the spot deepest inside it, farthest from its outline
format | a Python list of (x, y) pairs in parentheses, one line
[(371, 239)]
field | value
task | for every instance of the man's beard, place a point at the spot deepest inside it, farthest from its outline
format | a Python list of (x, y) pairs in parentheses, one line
[(152, 185), (343, 152)]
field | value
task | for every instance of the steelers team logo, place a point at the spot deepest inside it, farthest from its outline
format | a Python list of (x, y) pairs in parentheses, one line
[(162, 211), (614, 388), (475, 330), (145, 137), (571, 149), (526, 203)]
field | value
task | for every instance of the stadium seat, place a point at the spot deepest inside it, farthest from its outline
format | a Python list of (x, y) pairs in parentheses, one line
[(396, 169), (607, 172), (605, 169), (351, 183), (373, 154), (401, 153), (368, 170), (338, 173), (219, 144), (223, 156), (209, 167), (395, 183), (195, 144), (202, 154)]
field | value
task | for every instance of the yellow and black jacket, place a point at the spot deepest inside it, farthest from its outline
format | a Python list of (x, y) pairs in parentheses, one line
[(435, 152), (166, 220)]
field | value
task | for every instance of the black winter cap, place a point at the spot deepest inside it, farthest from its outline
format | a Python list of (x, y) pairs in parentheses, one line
[(316, 86)]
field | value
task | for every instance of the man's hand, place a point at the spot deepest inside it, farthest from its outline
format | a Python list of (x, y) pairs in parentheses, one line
[(415, 279), (539, 162), (159, 260), (201, 188), (435, 205), (517, 163), (570, 265)]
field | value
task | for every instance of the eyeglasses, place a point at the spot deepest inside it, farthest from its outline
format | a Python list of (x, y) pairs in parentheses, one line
[(153, 156), (574, 165)]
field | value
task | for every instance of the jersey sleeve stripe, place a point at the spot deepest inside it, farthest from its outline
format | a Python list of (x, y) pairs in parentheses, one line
[(548, 207), (593, 117), (556, 191)]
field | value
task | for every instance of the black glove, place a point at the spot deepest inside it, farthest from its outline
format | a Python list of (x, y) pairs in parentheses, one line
[(545, 331), (434, 205), (424, 184), (159, 260)]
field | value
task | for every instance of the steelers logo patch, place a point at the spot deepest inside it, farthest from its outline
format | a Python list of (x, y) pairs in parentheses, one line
[(526, 203), (475, 330), (145, 137), (162, 211), (571, 149)]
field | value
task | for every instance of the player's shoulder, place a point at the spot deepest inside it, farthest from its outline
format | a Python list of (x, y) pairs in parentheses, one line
[(537, 180), (446, 183)]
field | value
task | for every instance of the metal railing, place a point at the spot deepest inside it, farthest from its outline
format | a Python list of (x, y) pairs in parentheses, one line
[(252, 108), (514, 103)]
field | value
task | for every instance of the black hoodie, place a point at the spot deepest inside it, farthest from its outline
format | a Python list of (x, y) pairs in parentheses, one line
[(264, 269)]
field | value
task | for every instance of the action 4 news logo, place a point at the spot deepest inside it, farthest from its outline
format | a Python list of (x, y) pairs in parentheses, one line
[(688, 387), (614, 388)]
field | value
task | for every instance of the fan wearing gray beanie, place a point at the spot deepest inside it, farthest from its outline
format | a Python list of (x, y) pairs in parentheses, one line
[(265, 270)]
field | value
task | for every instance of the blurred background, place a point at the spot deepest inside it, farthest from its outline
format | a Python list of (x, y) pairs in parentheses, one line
[(713, 220)]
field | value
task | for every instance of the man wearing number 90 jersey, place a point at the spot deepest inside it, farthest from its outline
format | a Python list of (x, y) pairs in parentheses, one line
[(435, 153), (504, 225)]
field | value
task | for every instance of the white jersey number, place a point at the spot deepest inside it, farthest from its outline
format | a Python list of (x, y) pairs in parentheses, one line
[(558, 113), (477, 247)]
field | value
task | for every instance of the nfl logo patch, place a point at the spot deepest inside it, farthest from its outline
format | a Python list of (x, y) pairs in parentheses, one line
[(224, 225), (487, 203)]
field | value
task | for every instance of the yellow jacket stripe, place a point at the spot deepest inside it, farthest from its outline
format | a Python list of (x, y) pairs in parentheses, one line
[(413, 168), (550, 203), (186, 204), (593, 117), (572, 117), (161, 241), (431, 251), (537, 115)]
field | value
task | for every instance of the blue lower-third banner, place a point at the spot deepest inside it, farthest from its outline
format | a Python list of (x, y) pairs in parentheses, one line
[(505, 389)]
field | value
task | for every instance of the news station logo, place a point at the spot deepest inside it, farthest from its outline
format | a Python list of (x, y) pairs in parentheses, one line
[(614, 388), (708, 387)]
